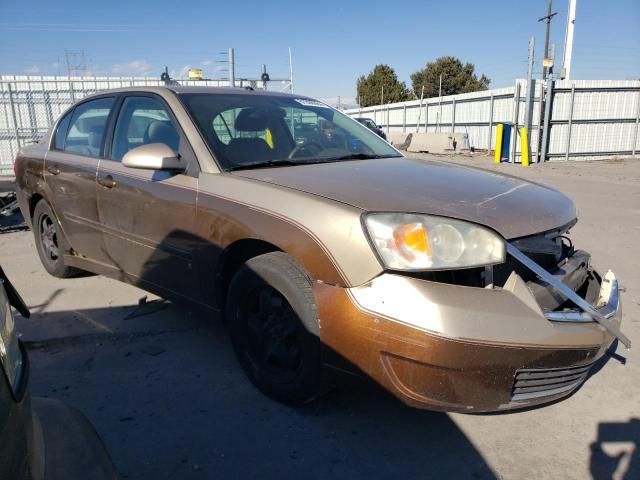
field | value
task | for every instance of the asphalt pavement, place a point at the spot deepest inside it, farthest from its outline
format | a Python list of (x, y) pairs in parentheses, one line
[(164, 390)]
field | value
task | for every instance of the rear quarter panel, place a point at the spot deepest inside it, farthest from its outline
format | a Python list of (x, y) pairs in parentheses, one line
[(30, 176)]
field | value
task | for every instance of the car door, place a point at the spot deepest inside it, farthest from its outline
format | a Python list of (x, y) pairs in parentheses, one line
[(148, 216), (71, 167)]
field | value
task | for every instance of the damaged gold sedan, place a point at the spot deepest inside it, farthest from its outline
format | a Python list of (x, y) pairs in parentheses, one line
[(455, 289)]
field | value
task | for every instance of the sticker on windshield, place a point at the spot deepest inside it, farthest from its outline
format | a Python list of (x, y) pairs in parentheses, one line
[(310, 103)]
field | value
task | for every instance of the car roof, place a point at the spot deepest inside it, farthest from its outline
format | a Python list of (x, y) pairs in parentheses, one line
[(179, 90)]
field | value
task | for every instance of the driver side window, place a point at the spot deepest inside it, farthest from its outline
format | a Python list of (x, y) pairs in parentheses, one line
[(143, 120)]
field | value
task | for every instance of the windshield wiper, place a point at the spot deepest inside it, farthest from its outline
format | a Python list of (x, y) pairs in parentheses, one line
[(357, 156), (268, 164), (285, 162)]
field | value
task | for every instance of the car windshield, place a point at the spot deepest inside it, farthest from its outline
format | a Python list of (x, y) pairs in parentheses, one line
[(367, 122), (255, 131)]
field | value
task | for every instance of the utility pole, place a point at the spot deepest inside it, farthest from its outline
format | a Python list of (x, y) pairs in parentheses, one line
[(440, 102), (420, 112), (290, 72), (568, 40), (530, 87), (382, 96), (547, 19), (232, 69), (76, 62)]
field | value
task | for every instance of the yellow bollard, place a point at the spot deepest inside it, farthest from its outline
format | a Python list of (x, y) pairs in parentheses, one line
[(497, 156), (524, 146)]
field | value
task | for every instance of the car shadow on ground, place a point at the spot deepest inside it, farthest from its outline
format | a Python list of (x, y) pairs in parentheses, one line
[(176, 404), (607, 461)]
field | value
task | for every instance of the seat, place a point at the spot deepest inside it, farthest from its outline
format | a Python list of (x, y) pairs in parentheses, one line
[(242, 151), (250, 149), (92, 147), (160, 131)]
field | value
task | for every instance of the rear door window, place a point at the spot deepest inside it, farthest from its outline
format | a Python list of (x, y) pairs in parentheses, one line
[(61, 132), (87, 127)]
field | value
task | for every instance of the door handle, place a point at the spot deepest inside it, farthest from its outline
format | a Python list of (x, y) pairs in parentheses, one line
[(107, 181), (53, 170)]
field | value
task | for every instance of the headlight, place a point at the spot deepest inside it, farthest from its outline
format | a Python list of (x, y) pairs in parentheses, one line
[(408, 241), (10, 354)]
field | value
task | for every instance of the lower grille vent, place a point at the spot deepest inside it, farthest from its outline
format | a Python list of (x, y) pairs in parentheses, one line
[(536, 383)]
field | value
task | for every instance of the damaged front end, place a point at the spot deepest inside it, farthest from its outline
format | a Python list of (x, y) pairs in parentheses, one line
[(523, 332), (562, 281)]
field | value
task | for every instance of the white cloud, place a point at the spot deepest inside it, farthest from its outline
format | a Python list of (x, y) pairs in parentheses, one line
[(33, 70), (207, 63), (135, 67)]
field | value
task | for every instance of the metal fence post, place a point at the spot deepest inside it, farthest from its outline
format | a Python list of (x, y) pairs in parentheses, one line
[(635, 135), (573, 97), (516, 119), (541, 105), (426, 116), (490, 136), (13, 115), (387, 119), (404, 117), (546, 132), (453, 115)]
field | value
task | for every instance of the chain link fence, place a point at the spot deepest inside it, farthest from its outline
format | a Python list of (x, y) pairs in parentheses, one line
[(29, 105), (586, 119)]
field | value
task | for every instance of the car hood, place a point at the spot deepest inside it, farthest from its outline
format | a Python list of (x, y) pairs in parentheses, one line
[(511, 206)]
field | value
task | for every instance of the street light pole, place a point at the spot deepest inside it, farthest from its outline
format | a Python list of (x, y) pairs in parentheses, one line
[(568, 40)]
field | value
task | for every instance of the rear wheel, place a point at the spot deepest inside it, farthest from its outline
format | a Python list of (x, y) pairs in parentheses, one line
[(50, 242), (270, 310)]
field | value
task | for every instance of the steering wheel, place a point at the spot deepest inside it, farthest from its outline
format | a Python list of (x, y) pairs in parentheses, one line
[(302, 148)]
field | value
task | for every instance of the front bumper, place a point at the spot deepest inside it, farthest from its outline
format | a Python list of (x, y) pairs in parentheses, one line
[(454, 348)]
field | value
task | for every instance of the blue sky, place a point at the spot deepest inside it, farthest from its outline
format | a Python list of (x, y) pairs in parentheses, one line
[(333, 42)]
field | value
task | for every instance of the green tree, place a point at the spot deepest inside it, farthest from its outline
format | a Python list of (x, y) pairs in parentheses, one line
[(456, 78), (370, 87)]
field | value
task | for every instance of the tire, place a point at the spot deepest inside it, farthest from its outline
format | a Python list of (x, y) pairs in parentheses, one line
[(271, 315), (50, 242)]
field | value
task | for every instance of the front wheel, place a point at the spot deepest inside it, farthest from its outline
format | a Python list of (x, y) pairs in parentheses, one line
[(50, 242), (270, 312)]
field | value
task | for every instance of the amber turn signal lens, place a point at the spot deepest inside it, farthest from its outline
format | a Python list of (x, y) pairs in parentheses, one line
[(411, 239)]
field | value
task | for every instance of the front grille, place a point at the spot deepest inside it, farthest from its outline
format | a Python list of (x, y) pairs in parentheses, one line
[(541, 382)]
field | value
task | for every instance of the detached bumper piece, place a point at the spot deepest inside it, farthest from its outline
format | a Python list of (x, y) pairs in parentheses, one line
[(606, 307), (535, 383)]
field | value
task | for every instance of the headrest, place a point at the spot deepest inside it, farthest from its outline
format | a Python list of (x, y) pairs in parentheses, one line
[(257, 119), (250, 120), (162, 132)]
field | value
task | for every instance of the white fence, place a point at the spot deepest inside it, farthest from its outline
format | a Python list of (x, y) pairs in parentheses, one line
[(587, 119), (30, 104)]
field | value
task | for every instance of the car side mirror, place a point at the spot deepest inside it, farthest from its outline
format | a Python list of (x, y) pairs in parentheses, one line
[(153, 156)]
